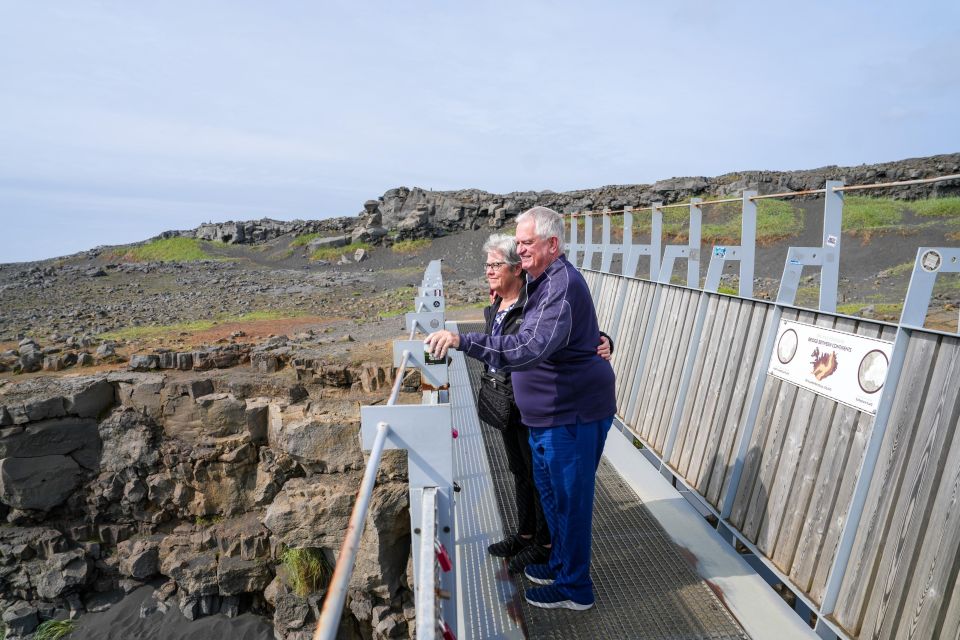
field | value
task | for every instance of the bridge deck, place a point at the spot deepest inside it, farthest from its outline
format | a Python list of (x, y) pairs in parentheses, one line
[(644, 587)]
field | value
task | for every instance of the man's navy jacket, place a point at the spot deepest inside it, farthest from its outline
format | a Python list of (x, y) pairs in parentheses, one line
[(558, 378)]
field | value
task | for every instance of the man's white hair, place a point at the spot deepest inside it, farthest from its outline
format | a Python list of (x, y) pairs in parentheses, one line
[(547, 224)]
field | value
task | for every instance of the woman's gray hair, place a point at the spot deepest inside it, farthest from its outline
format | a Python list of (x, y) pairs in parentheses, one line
[(547, 223), (504, 245)]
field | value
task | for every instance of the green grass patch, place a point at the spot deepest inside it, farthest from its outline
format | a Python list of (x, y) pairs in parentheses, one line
[(166, 250), (53, 630), (936, 207), (898, 271), (865, 216), (728, 290), (152, 331), (880, 309), (305, 239), (411, 246), (723, 222), (307, 570), (334, 253)]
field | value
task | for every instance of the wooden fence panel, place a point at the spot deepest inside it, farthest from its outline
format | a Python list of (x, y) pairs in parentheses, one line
[(636, 315), (799, 477), (901, 580), (660, 380)]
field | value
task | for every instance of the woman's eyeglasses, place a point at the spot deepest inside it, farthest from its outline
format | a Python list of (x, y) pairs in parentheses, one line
[(493, 266)]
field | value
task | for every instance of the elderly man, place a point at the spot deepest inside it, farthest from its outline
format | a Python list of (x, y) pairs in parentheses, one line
[(565, 392)]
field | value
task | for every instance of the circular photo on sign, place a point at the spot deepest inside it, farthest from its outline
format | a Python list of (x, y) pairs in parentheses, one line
[(873, 371), (787, 346), (930, 261)]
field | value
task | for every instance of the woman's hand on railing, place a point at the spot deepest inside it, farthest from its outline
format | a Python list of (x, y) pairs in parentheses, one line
[(603, 349), (438, 342)]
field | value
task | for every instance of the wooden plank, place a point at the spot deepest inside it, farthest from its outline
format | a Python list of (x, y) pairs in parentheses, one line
[(914, 502), (608, 292), (885, 485), (790, 401), (733, 370), (649, 316), (590, 277), (733, 426), (625, 351), (773, 390), (651, 381), (825, 488), (841, 505), (676, 363), (754, 455), (719, 370), (934, 577), (681, 450), (645, 315), (824, 497), (664, 323), (847, 483), (639, 316), (828, 419)]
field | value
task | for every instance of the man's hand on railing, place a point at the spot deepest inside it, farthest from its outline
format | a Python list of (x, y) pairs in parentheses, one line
[(440, 341)]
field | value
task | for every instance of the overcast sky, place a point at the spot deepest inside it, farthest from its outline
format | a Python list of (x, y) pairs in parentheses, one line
[(119, 120)]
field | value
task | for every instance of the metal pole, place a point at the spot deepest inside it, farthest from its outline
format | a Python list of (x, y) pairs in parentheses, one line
[(337, 593), (395, 392), (427, 588)]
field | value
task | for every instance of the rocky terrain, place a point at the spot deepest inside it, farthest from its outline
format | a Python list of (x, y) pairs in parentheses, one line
[(181, 434)]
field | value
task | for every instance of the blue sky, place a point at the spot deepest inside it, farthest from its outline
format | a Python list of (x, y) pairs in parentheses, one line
[(119, 120)]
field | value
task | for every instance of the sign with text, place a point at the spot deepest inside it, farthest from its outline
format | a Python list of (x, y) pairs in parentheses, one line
[(845, 367)]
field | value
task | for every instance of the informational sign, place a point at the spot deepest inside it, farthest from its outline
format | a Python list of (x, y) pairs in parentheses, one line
[(845, 367)]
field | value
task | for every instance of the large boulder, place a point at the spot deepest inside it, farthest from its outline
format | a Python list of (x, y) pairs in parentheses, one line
[(129, 441), (75, 437), (140, 558), (63, 572), (236, 575), (314, 512), (325, 444), (195, 571), (39, 483)]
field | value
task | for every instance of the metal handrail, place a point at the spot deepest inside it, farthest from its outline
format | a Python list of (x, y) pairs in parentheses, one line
[(427, 604), (337, 592)]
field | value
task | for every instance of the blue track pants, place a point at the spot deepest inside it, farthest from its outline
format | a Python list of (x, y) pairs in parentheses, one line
[(565, 461)]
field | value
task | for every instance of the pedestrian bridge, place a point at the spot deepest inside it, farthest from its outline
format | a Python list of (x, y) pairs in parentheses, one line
[(756, 443)]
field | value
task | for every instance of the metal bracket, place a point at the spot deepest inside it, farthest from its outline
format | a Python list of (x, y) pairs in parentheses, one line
[(745, 254), (426, 321), (432, 275), (930, 261), (574, 247), (429, 303), (434, 290), (436, 376), (826, 256), (587, 242), (423, 430), (690, 251), (652, 249)]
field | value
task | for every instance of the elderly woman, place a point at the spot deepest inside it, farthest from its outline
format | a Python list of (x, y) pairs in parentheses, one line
[(531, 543)]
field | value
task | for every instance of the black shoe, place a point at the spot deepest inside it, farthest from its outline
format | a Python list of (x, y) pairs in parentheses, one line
[(509, 546), (534, 554)]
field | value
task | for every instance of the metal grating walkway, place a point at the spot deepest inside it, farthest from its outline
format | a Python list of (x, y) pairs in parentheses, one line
[(644, 588)]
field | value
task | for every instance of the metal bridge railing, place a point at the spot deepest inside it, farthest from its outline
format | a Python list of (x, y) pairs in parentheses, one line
[(851, 505), (425, 431)]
